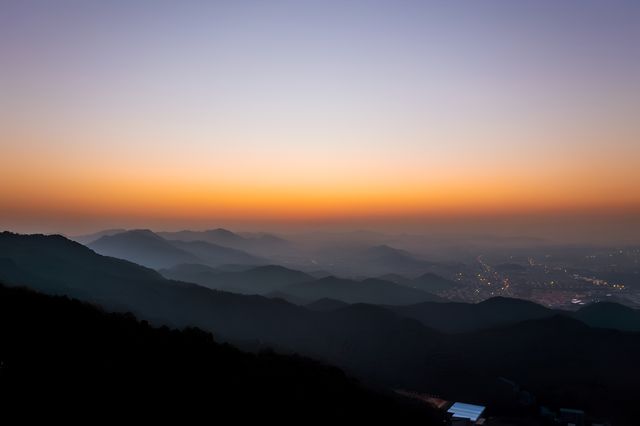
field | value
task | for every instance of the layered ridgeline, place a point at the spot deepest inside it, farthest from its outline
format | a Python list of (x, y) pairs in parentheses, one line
[(256, 280), (462, 317), (371, 261), (259, 243), (149, 249), (559, 360), (221, 248), (60, 353), (372, 291), (273, 280)]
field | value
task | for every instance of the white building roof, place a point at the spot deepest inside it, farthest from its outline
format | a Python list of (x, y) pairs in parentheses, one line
[(466, 411)]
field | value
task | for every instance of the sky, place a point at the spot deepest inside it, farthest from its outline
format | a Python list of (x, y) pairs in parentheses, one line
[(518, 116)]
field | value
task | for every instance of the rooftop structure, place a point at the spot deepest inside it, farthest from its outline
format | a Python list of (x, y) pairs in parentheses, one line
[(460, 410)]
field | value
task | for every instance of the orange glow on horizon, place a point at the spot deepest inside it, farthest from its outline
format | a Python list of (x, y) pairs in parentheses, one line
[(394, 197)]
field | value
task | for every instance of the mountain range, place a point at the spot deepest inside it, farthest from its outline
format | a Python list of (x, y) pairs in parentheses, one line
[(372, 291), (557, 359), (429, 282), (463, 317), (259, 244), (218, 247), (256, 280), (149, 249), (143, 247), (372, 261), (296, 285)]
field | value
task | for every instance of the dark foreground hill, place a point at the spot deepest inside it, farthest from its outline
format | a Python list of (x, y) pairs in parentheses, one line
[(56, 351)]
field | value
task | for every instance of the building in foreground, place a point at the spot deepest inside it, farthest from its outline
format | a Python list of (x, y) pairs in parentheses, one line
[(466, 414)]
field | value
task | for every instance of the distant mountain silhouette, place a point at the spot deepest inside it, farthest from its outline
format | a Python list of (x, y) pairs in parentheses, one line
[(89, 238), (193, 273), (502, 311), (56, 350), (609, 315), (278, 295), (143, 247), (233, 267), (216, 255), (326, 304), (220, 236), (373, 261), (373, 291), (461, 317), (260, 244), (396, 279), (392, 259), (258, 280), (432, 283), (319, 274), (559, 360), (56, 265), (149, 249)]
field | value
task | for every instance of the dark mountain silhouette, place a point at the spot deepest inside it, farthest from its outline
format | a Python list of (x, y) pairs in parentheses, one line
[(501, 311), (319, 274), (392, 259), (89, 238), (432, 283), (373, 291), (216, 255), (193, 273), (372, 261), (216, 236), (56, 265), (231, 267), (258, 280), (53, 263), (149, 249), (11, 272), (278, 295), (609, 315), (555, 361), (56, 350), (260, 244), (396, 279), (143, 247), (461, 317), (387, 252), (559, 360), (326, 304)]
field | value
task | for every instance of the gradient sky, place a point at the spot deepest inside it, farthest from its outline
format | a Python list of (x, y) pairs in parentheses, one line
[(379, 114)]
